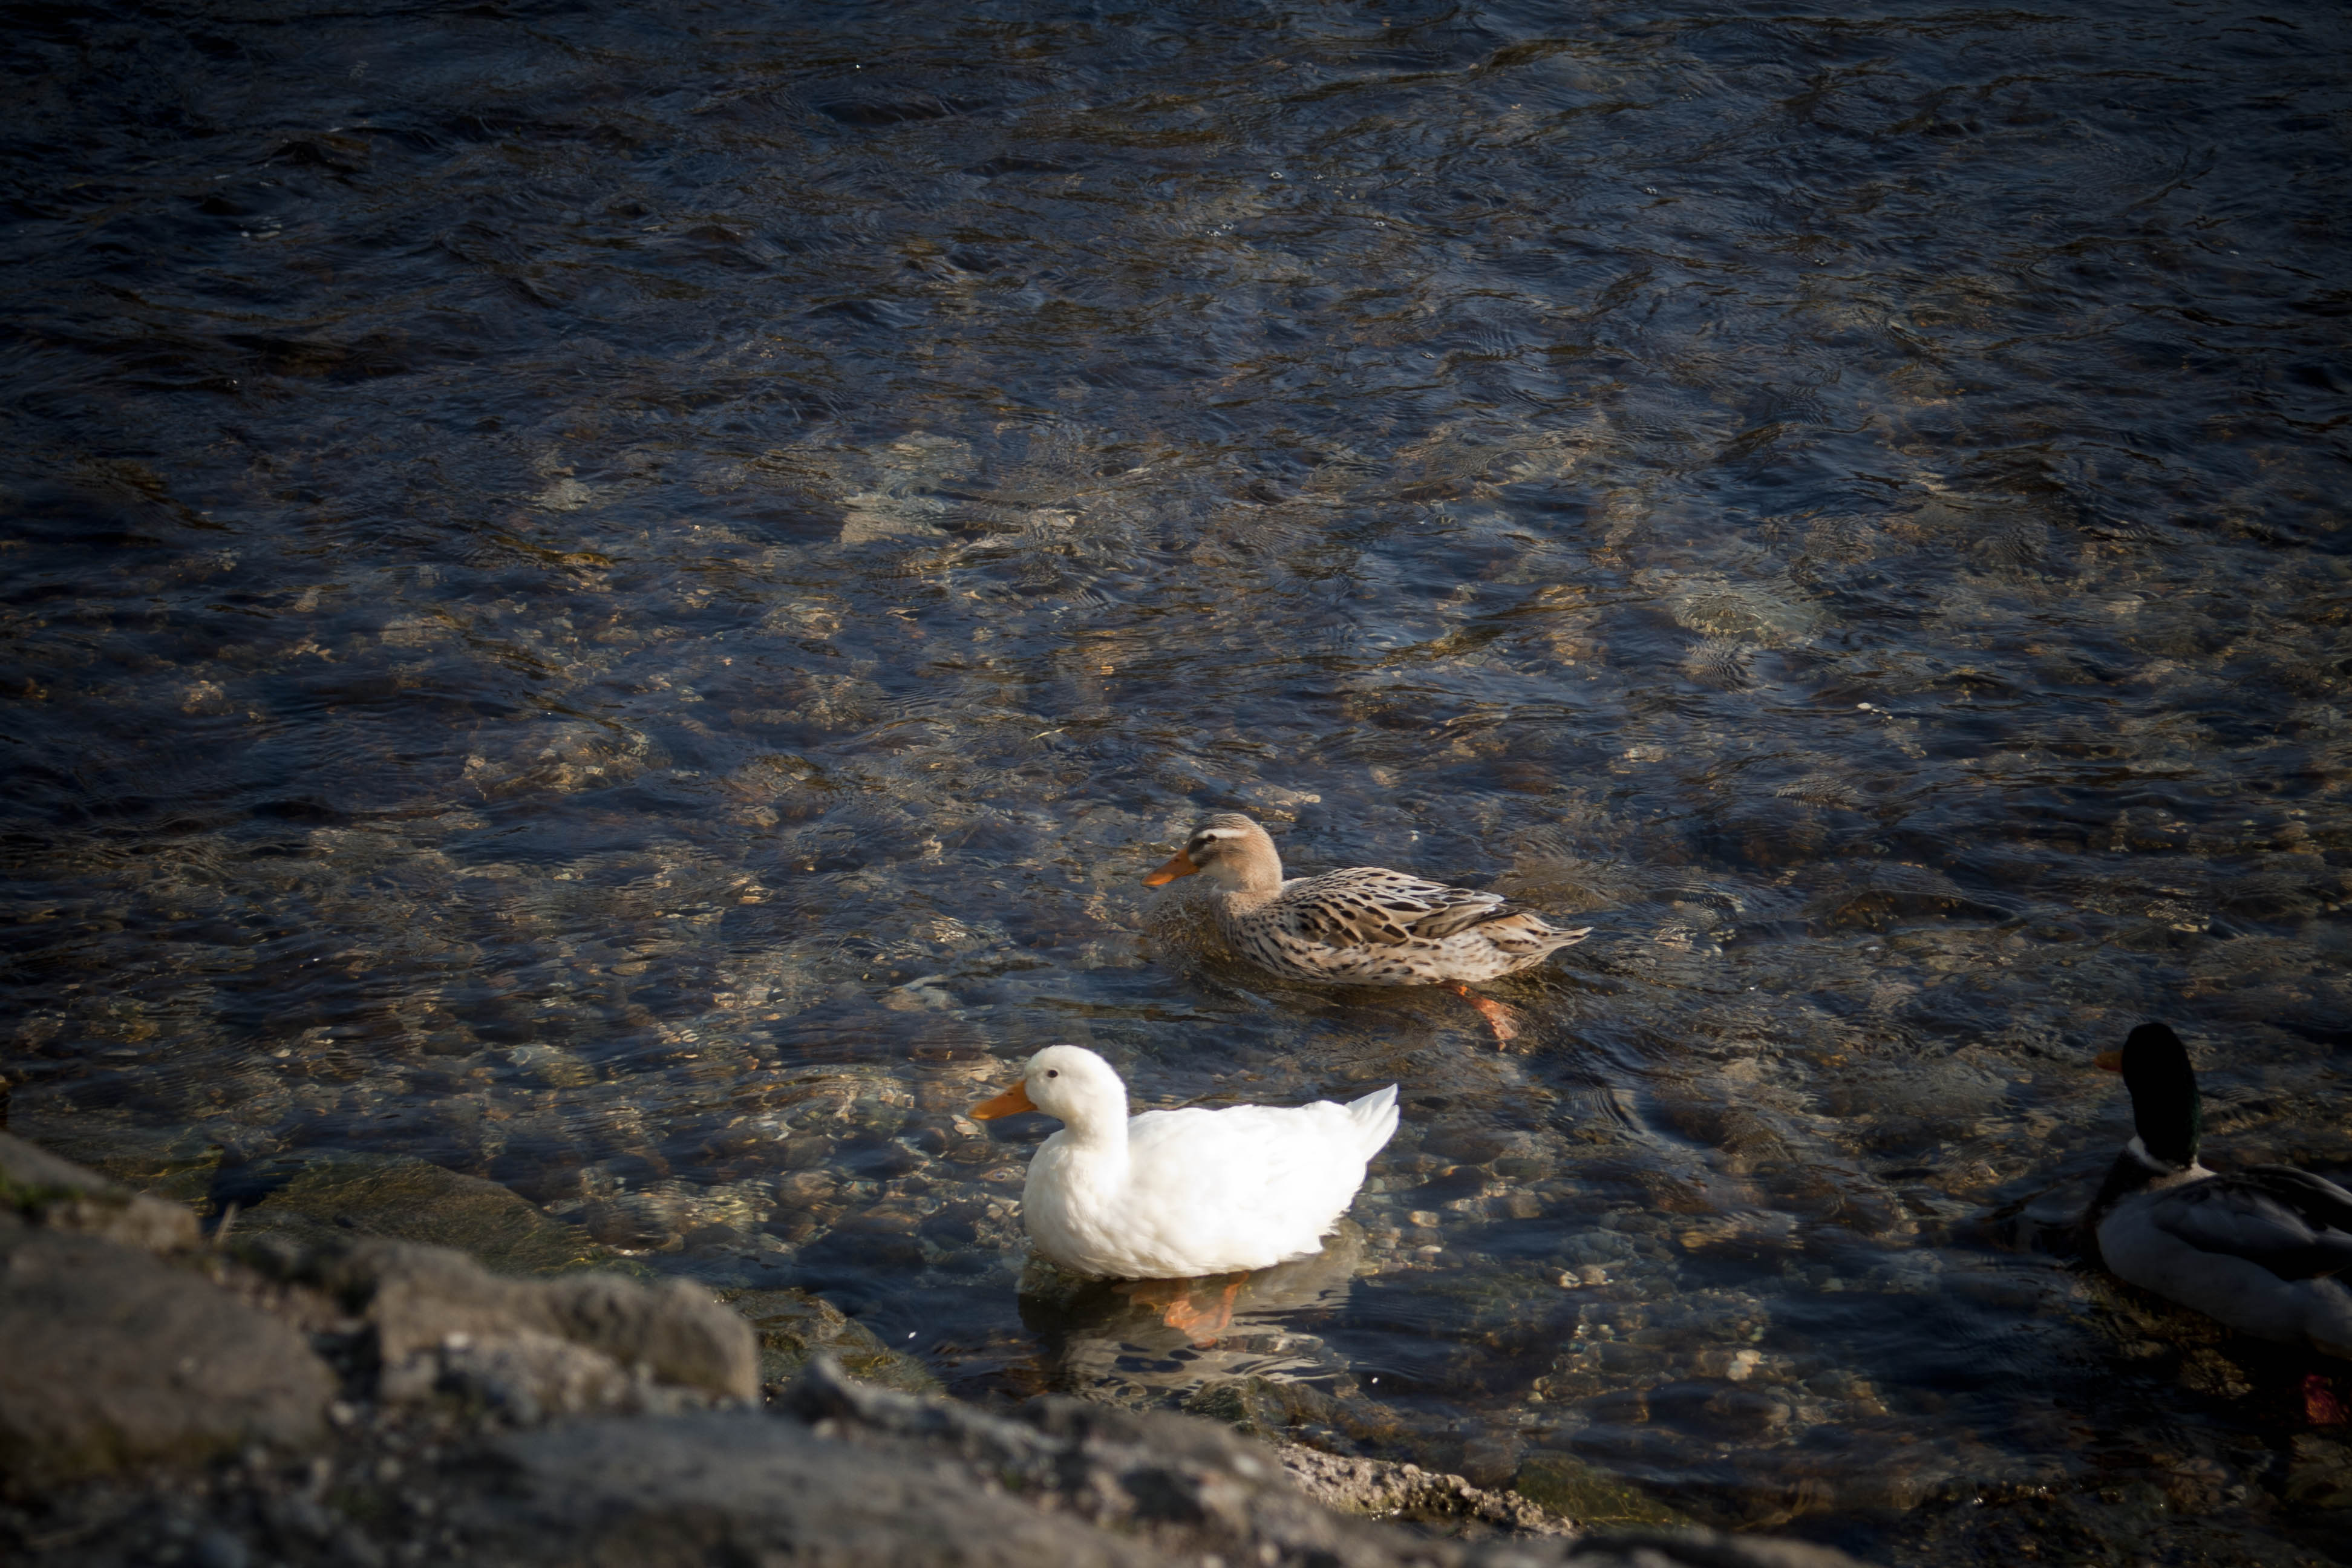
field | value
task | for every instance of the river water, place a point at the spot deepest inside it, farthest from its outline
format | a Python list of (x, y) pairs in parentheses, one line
[(619, 598)]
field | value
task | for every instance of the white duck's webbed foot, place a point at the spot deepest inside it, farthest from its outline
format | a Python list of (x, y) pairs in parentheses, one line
[(1201, 1323), (1178, 1306)]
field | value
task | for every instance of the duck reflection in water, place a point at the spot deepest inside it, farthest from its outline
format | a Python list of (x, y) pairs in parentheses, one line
[(1175, 1335)]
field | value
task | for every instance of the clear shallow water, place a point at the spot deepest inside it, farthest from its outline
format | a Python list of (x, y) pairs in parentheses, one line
[(620, 602)]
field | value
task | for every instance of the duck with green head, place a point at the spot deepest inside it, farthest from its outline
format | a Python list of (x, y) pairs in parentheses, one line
[(2261, 1249)]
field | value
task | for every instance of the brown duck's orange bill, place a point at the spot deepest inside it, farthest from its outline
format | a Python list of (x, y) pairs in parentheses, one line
[(2111, 1060), (1005, 1104), (1178, 864)]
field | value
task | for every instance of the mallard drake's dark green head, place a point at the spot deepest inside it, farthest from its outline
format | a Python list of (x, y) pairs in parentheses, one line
[(2166, 1110)]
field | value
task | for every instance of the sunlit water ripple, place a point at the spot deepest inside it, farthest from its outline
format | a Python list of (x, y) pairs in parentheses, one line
[(620, 600)]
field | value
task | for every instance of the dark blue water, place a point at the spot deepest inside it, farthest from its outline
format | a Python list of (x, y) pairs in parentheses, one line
[(619, 598)]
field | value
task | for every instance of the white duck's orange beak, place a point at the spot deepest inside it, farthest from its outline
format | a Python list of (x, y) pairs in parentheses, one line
[(1178, 864), (1005, 1104), (2111, 1060)]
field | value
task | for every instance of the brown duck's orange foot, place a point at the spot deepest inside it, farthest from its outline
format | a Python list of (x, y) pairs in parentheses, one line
[(1499, 1018), (1202, 1324), (2320, 1406)]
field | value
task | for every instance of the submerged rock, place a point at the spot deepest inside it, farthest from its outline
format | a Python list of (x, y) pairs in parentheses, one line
[(1581, 1492), (329, 1200), (794, 1327)]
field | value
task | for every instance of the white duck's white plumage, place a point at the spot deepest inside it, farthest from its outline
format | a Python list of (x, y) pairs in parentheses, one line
[(1174, 1194), (2260, 1250)]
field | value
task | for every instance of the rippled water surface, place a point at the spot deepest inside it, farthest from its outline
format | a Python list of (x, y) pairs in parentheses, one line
[(619, 599)]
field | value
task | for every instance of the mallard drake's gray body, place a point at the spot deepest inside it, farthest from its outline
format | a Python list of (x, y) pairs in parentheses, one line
[(2259, 1249), (1366, 925)]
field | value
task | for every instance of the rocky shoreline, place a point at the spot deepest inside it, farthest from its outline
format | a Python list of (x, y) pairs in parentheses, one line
[(301, 1396)]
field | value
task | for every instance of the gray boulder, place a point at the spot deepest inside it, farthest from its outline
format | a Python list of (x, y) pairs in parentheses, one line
[(123, 1342), (576, 1344), (738, 1487), (860, 1477), (420, 1299), (115, 1358)]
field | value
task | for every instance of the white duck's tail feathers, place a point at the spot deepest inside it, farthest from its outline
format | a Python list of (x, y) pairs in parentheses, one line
[(1376, 1114)]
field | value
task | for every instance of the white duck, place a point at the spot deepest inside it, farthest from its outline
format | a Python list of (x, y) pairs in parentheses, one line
[(1174, 1194), (2259, 1248)]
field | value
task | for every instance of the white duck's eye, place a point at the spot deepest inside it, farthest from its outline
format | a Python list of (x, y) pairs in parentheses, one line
[(1053, 1072)]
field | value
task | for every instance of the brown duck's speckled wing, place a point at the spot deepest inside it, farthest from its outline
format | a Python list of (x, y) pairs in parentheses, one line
[(1524, 931), (1370, 906)]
